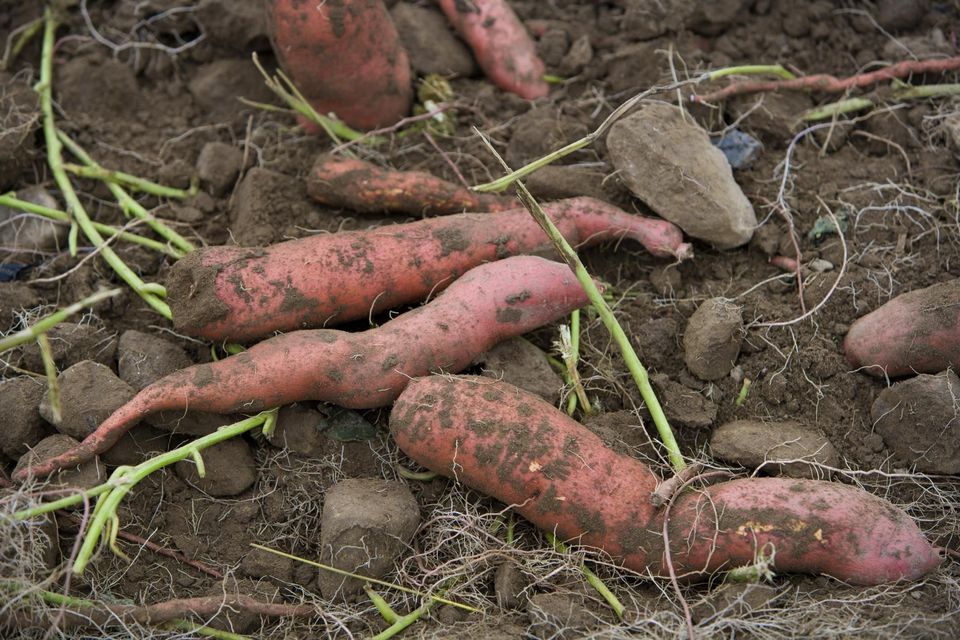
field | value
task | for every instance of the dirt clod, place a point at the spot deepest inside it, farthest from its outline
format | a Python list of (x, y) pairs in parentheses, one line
[(919, 420), (366, 523), (230, 469), (89, 393), (85, 476), (712, 339), (559, 615), (734, 599), (668, 162), (136, 445), (21, 426), (218, 166), (144, 358), (752, 443), (24, 237), (683, 406), (509, 584), (523, 365), (431, 45)]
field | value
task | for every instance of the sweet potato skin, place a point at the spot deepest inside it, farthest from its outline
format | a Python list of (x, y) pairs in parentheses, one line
[(364, 370), (350, 183), (916, 332), (345, 56), (500, 43), (515, 447), (234, 293)]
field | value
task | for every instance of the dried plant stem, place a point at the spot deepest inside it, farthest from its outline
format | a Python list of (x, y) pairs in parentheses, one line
[(46, 323)]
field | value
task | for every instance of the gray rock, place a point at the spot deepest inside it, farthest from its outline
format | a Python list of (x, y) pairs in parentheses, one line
[(667, 161), (713, 338), (431, 45), (89, 393), (919, 420), (366, 524), (230, 469), (751, 443), (21, 425)]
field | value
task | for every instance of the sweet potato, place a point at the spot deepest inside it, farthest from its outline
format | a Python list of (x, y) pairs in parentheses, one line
[(500, 43), (345, 56), (513, 446), (916, 332), (488, 304), (353, 184), (239, 294)]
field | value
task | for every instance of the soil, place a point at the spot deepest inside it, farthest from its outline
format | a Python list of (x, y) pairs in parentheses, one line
[(167, 109)]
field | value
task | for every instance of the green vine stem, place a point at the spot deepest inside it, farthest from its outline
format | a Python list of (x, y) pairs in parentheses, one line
[(900, 91), (751, 70), (55, 160), (53, 384), (637, 370), (10, 200), (130, 206), (96, 172), (397, 622), (124, 479), (46, 323), (592, 578)]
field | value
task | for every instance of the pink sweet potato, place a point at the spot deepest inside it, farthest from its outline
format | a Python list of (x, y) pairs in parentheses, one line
[(345, 56), (513, 446), (235, 293), (916, 332), (488, 304), (500, 44), (353, 184)]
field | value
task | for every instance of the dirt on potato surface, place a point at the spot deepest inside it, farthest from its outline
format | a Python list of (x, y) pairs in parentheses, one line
[(151, 88)]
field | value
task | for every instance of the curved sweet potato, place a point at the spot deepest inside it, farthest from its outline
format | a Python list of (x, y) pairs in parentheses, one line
[(515, 447), (488, 304), (345, 56), (235, 293), (366, 188), (500, 44), (916, 332)]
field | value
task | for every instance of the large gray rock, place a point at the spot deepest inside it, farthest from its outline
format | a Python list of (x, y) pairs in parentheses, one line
[(667, 161)]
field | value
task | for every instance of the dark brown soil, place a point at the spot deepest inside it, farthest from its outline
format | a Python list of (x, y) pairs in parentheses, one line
[(891, 173)]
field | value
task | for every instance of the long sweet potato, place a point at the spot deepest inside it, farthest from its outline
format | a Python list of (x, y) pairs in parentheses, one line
[(366, 188), (488, 304), (916, 332), (500, 44), (345, 56), (513, 446), (236, 293)]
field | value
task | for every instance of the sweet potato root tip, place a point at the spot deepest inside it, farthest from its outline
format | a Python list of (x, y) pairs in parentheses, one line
[(517, 448), (916, 332), (230, 293), (488, 304), (345, 57), (349, 183), (500, 43)]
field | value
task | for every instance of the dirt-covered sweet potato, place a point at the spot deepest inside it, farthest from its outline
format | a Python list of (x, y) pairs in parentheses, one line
[(488, 304), (236, 293), (513, 446)]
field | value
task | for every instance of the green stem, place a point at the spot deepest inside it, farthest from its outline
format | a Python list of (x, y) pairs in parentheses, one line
[(11, 200), (834, 109), (751, 70), (50, 369), (926, 91), (419, 476), (592, 579), (383, 607), (97, 172), (46, 323), (130, 206), (404, 621), (55, 160), (637, 370), (744, 390)]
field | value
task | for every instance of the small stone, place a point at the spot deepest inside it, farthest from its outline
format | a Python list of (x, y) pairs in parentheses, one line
[(89, 393), (552, 46), (431, 45), (873, 442), (238, 26), (21, 425), (666, 280), (667, 161), (520, 363), (900, 15), (752, 443), (918, 419), (218, 166), (578, 57), (143, 358), (230, 469), (820, 265), (712, 339), (298, 430), (263, 564), (555, 182), (84, 476), (366, 524), (734, 600), (509, 583), (739, 148)]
